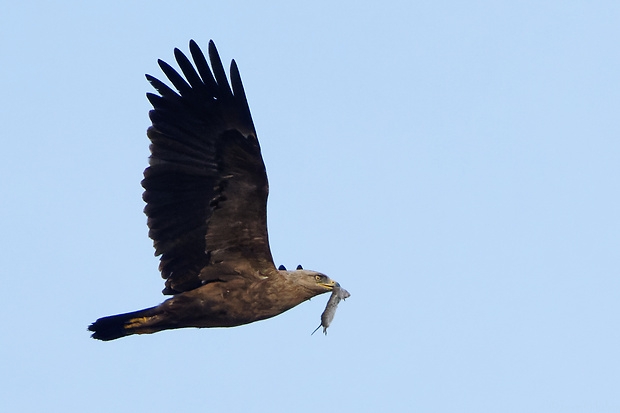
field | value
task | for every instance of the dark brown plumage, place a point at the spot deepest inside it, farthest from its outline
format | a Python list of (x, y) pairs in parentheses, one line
[(206, 194)]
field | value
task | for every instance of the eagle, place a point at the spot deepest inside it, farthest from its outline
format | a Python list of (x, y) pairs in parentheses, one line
[(206, 204)]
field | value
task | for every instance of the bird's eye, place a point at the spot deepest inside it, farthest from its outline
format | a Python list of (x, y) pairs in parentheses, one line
[(317, 278)]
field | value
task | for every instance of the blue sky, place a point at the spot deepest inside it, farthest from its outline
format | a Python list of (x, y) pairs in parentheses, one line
[(454, 165)]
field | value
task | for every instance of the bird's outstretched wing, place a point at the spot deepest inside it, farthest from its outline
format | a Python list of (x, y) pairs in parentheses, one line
[(206, 187)]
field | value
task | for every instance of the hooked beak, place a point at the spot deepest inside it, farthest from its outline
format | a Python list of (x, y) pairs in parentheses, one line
[(330, 285)]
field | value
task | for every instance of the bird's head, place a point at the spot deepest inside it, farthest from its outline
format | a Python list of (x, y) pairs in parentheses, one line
[(315, 282)]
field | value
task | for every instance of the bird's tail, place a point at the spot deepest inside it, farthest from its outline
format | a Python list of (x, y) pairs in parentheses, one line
[(121, 325)]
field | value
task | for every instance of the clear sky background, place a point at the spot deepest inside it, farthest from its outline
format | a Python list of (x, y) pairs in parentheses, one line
[(454, 165)]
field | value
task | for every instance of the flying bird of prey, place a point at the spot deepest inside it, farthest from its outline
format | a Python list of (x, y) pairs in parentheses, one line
[(206, 202)]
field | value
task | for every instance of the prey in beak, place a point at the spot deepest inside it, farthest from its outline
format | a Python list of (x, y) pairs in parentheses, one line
[(338, 294)]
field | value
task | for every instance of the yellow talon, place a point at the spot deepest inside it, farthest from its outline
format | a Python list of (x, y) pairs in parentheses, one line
[(136, 322)]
